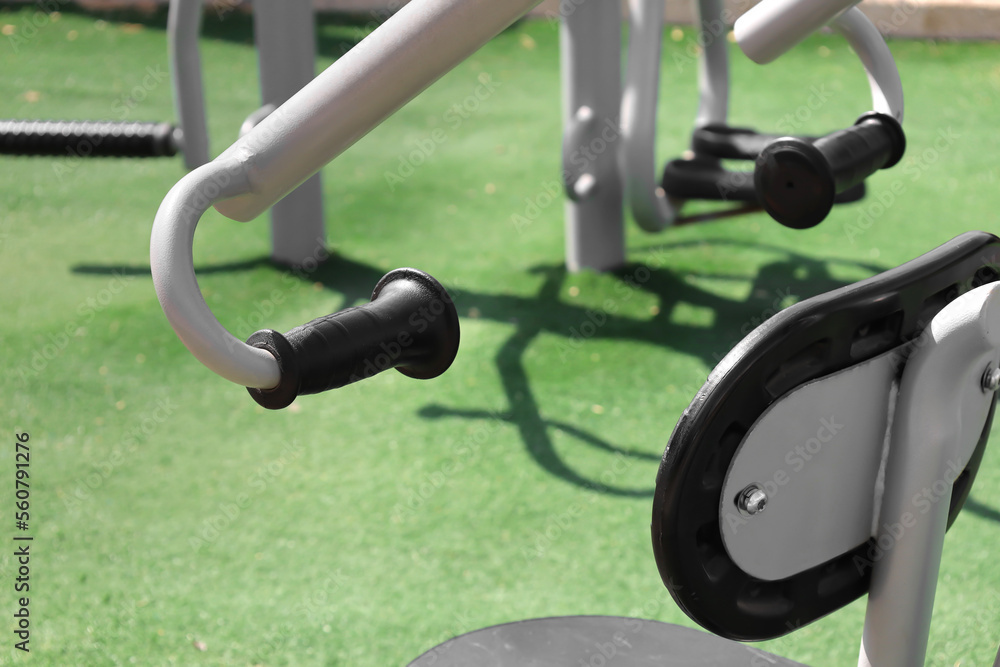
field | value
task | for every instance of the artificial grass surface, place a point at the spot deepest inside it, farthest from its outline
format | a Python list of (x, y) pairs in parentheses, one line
[(347, 544)]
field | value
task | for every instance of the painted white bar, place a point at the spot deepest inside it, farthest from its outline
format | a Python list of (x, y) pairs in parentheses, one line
[(883, 76), (172, 263), (183, 28), (775, 26), (713, 65), (649, 204), (403, 56)]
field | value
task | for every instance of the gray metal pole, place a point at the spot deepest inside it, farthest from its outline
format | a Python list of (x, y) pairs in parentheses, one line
[(403, 56), (590, 42), (183, 28), (286, 43), (713, 66), (940, 412)]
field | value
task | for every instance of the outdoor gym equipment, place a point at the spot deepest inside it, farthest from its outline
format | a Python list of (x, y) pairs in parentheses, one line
[(399, 59), (594, 102), (794, 183), (609, 137), (824, 458), (893, 378), (836, 170)]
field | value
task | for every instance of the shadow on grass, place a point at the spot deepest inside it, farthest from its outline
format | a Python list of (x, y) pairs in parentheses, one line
[(776, 285), (981, 510)]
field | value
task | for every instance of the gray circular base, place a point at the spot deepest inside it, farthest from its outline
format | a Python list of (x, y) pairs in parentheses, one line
[(594, 641)]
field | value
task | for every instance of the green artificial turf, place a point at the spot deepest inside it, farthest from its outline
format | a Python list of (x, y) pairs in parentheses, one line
[(175, 522)]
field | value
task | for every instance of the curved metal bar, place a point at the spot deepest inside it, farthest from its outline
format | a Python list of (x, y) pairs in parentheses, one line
[(713, 65), (402, 57), (649, 204), (172, 264), (772, 27), (883, 76), (183, 28)]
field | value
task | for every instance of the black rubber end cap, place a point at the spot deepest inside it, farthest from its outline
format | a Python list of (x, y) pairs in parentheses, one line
[(288, 387), (794, 183), (436, 320)]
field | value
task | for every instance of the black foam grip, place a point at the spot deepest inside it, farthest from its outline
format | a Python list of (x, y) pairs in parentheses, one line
[(87, 138), (410, 324), (797, 180)]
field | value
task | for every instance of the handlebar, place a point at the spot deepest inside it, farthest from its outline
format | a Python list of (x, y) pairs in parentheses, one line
[(410, 324), (88, 138), (797, 181), (399, 59)]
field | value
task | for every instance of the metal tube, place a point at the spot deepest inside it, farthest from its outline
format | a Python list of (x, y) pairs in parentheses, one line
[(713, 65), (775, 26), (172, 264), (286, 45), (650, 207), (590, 57), (883, 76), (940, 413), (183, 28), (403, 56)]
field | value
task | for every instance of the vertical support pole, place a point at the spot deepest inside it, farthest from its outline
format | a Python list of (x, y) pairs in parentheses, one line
[(713, 65), (286, 44), (590, 55), (941, 409), (183, 29)]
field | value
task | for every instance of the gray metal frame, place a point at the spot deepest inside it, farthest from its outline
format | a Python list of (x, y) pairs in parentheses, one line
[(940, 413), (392, 65), (409, 52), (183, 28), (652, 209), (590, 57), (286, 47), (284, 33)]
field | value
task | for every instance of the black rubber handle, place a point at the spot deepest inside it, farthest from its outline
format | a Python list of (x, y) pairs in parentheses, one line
[(87, 138), (719, 140), (797, 181), (410, 324)]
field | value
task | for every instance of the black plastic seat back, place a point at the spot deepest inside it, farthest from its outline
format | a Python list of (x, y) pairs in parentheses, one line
[(809, 340)]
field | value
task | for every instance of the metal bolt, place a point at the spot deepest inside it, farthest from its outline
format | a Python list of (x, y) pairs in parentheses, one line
[(751, 500), (991, 378)]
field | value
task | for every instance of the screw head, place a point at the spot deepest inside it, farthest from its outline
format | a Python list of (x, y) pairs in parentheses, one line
[(751, 500), (991, 378)]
